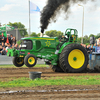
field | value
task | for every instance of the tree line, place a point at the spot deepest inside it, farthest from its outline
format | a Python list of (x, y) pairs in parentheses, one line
[(86, 39), (24, 33), (51, 33)]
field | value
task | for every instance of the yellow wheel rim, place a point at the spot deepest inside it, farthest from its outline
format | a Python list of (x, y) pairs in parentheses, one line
[(31, 60), (76, 59), (20, 61)]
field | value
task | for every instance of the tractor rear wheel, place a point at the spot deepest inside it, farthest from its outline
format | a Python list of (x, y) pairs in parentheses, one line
[(18, 61), (56, 68), (30, 60), (73, 58)]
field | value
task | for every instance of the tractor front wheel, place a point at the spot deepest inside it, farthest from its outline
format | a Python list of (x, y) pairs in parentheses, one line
[(18, 61), (30, 60)]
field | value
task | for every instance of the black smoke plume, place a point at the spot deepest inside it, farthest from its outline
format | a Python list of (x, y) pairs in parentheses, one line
[(54, 7)]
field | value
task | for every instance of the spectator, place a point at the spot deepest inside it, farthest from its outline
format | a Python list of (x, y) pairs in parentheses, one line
[(11, 39), (8, 46), (7, 40), (14, 40), (3, 52), (13, 45), (16, 46), (3, 38), (92, 48), (95, 47), (88, 48), (98, 42), (84, 45), (0, 48), (3, 44), (98, 49), (0, 38), (7, 43)]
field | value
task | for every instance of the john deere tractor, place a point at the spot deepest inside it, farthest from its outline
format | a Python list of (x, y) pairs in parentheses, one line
[(64, 55)]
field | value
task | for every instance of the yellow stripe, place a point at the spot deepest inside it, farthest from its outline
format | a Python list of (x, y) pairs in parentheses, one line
[(43, 38)]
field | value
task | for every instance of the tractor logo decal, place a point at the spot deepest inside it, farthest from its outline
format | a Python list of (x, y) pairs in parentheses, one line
[(48, 43)]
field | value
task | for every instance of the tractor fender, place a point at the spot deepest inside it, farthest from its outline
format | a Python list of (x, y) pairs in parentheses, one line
[(63, 46)]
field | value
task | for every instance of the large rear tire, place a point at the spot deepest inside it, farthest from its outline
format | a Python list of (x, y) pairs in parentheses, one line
[(18, 61), (73, 58)]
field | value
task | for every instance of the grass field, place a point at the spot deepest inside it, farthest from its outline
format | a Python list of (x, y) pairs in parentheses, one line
[(10, 66), (71, 80), (64, 80)]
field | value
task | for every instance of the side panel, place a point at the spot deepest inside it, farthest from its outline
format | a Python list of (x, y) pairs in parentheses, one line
[(65, 44), (45, 44)]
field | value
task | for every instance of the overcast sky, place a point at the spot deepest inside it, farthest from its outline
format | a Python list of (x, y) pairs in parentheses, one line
[(17, 11)]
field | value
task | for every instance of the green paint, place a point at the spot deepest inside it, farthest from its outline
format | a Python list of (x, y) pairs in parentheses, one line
[(45, 48)]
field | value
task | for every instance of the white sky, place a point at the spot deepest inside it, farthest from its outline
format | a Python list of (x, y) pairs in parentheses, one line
[(17, 11)]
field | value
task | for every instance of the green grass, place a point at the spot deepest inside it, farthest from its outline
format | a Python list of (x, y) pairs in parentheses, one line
[(69, 80), (12, 66), (66, 80)]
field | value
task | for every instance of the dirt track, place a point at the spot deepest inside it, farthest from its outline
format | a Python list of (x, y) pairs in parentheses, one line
[(52, 92), (46, 72)]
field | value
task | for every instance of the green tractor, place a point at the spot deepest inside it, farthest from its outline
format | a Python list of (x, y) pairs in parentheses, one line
[(64, 55)]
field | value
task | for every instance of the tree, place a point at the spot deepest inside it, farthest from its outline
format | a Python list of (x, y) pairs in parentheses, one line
[(26, 35), (86, 36), (34, 34), (79, 39), (59, 34), (38, 34), (20, 27), (54, 33), (86, 40), (97, 36), (91, 35)]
